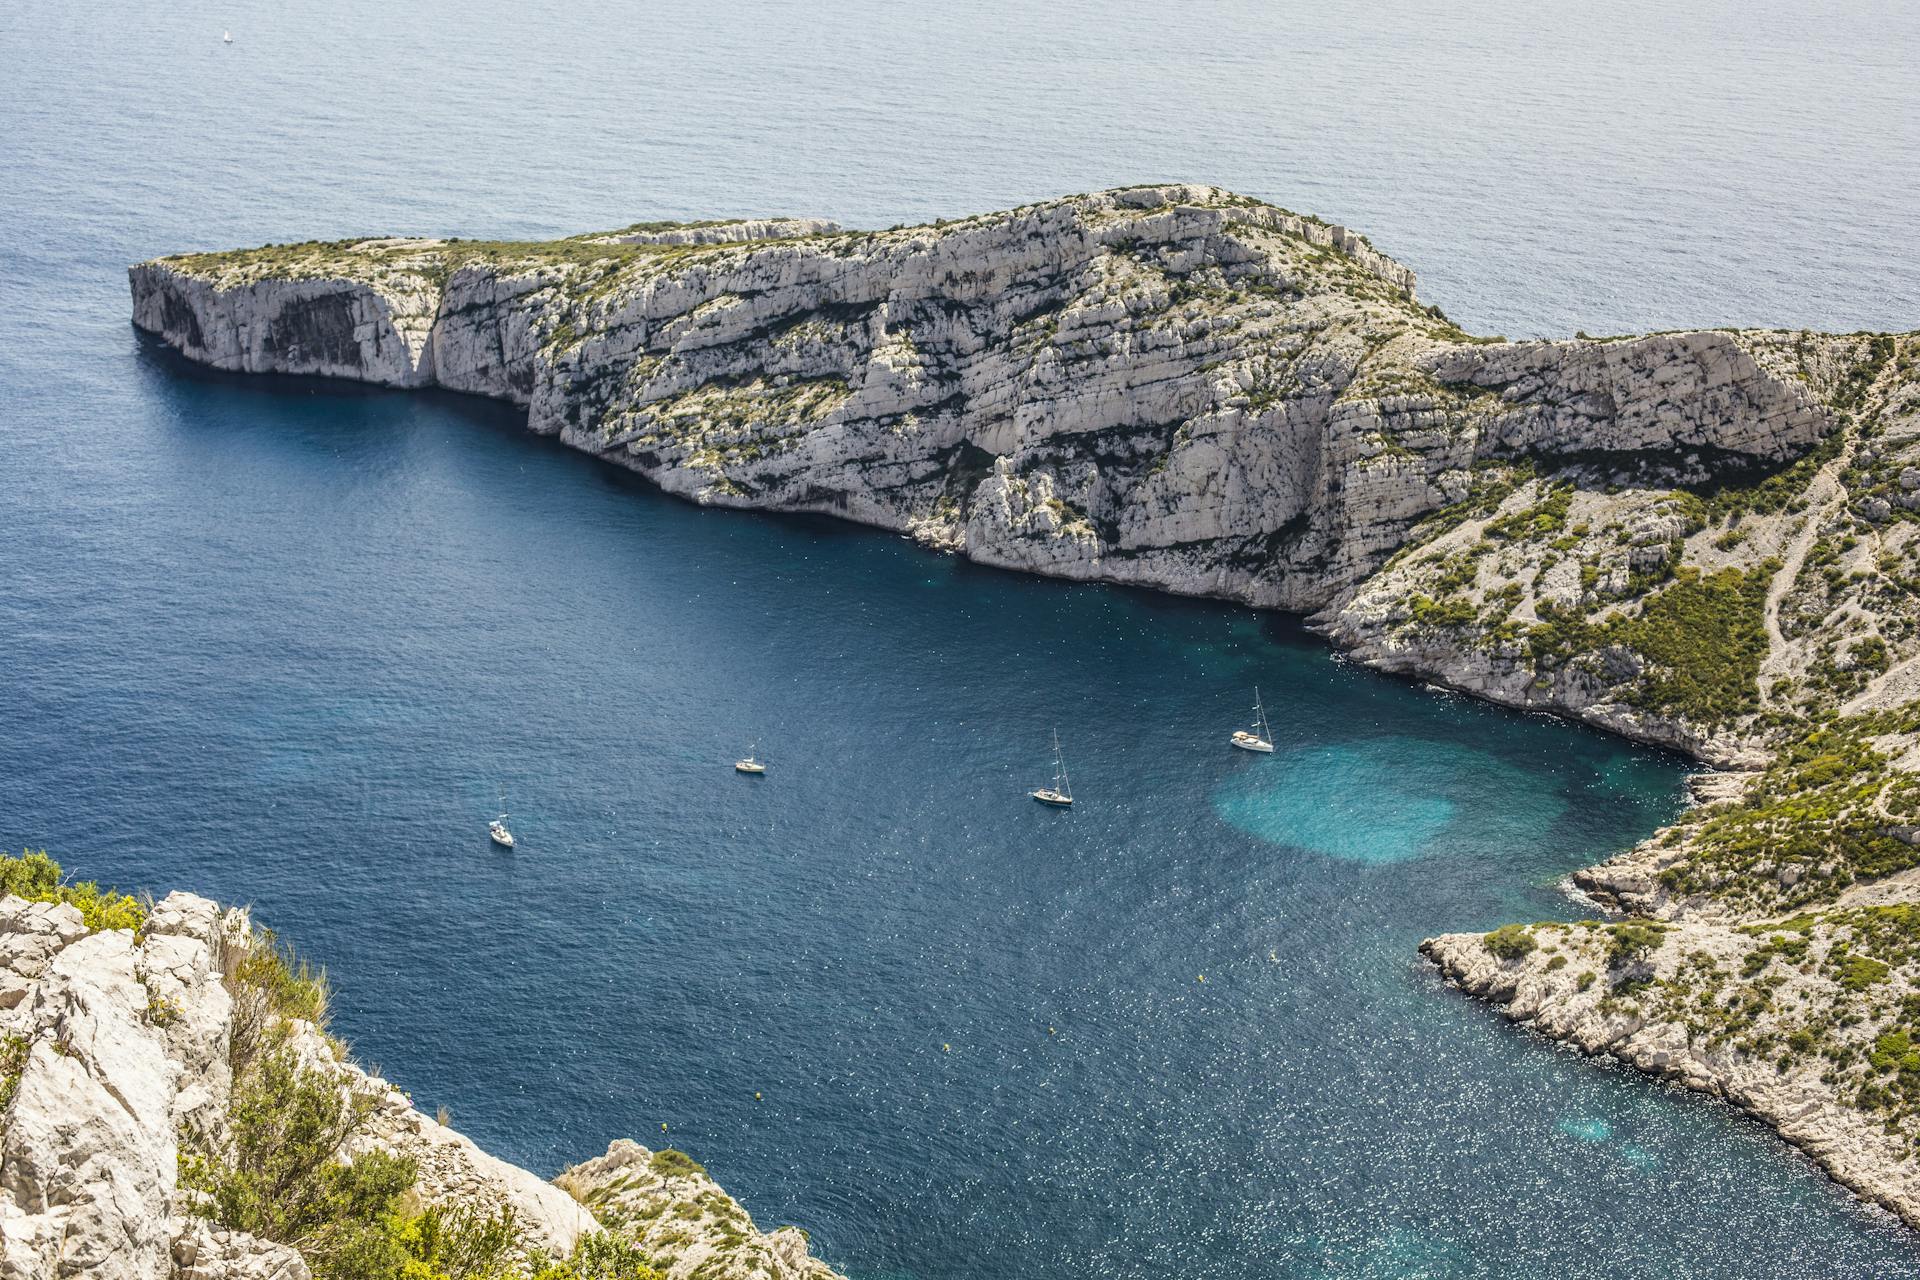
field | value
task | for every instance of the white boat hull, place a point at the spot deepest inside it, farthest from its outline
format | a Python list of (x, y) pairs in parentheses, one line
[(748, 766), (1047, 796), (1247, 742), (502, 839)]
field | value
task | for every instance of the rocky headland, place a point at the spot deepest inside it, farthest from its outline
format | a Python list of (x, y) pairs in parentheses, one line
[(175, 1107), (1707, 540)]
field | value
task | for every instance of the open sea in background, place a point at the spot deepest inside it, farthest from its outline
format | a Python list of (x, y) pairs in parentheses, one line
[(281, 642)]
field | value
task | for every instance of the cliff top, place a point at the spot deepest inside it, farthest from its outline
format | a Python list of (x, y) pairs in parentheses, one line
[(653, 248)]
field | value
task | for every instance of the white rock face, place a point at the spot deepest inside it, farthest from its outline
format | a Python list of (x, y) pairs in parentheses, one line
[(88, 1160), (1166, 386), (743, 231), (311, 326), (1704, 393), (202, 1251), (452, 1169)]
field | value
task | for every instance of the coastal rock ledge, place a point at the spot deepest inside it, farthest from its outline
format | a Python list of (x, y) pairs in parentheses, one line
[(165, 1083), (1687, 1003)]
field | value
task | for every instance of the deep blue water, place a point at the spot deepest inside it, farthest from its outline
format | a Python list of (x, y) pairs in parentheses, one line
[(281, 642)]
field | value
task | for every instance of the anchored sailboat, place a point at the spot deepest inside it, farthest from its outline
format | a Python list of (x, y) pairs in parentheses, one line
[(497, 829), (750, 765), (1061, 792), (1258, 738)]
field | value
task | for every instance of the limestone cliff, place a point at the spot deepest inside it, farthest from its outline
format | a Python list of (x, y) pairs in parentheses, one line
[(156, 1087), (1763, 620), (1169, 386)]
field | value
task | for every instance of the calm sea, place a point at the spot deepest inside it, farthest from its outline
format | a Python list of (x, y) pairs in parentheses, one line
[(285, 642)]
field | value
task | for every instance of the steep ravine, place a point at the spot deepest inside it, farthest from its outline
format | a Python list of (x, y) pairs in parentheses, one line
[(1700, 539)]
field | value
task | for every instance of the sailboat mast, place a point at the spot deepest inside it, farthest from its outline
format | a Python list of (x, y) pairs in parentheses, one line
[(1060, 781)]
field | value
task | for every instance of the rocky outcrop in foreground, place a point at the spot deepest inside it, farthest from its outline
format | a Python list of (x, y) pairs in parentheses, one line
[(1709, 540), (169, 1113)]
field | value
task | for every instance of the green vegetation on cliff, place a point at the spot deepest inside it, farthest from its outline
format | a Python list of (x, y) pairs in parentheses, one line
[(289, 1170), (1832, 990), (1702, 640), (38, 878), (432, 262), (1821, 817)]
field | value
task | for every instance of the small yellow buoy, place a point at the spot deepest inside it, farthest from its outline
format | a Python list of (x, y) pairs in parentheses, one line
[(756, 1095), (1050, 1031), (1200, 977), (946, 1048), (663, 1126)]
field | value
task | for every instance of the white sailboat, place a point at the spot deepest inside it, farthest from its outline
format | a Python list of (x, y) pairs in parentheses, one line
[(1061, 792), (497, 829), (750, 764), (226, 37), (1258, 738)]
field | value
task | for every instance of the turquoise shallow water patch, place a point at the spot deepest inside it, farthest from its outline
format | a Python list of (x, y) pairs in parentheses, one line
[(1586, 1128), (1401, 1254), (1345, 802), (1383, 800)]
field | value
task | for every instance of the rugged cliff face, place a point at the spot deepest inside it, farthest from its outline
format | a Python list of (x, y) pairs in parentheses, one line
[(1169, 386), (1172, 386), (1771, 951), (1709, 540), (168, 1112)]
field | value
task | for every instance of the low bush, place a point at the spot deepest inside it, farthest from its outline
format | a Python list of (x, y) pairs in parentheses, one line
[(269, 985), (1632, 941), (601, 1256), (674, 1164), (37, 878), (13, 1061), (461, 1243), (281, 1175), (1509, 941)]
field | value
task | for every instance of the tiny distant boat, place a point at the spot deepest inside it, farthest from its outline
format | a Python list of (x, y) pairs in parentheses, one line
[(1060, 794), (497, 829), (226, 37), (1258, 738), (750, 764)]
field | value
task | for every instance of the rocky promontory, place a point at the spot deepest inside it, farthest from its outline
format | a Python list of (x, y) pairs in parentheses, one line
[(175, 1108), (1797, 1022), (1708, 540), (1169, 386)]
